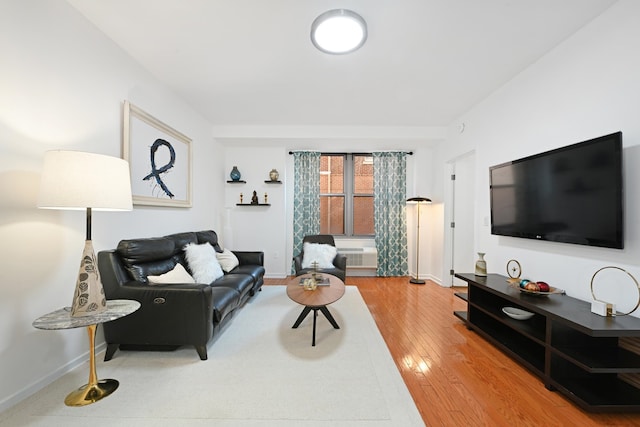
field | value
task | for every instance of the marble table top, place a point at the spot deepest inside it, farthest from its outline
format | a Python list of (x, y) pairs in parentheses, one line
[(61, 319)]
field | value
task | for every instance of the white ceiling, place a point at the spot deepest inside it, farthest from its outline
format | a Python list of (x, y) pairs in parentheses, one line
[(251, 62)]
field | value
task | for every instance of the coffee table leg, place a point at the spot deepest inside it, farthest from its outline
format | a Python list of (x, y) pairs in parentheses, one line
[(324, 311), (329, 317), (304, 313), (315, 316)]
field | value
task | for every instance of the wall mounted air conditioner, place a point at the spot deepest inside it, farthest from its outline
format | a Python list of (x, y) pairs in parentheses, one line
[(360, 257)]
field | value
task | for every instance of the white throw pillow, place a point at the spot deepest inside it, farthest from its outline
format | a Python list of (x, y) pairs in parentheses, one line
[(177, 275), (227, 259), (321, 253), (203, 262)]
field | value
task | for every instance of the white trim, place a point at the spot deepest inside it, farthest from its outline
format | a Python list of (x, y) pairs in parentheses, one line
[(36, 386)]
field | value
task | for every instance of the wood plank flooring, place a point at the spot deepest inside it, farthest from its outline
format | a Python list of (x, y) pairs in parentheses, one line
[(455, 377)]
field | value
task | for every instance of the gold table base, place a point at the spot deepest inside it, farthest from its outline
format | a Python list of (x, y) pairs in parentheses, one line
[(95, 389), (91, 393)]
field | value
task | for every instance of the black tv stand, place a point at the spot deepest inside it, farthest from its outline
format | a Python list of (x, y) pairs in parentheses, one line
[(572, 350)]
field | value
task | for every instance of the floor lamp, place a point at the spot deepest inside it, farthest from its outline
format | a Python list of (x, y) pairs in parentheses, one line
[(418, 200), (85, 181)]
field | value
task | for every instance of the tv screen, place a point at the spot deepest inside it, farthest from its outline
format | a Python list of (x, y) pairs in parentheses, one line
[(572, 194)]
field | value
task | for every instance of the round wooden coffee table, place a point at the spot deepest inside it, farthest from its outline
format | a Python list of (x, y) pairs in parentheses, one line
[(317, 299)]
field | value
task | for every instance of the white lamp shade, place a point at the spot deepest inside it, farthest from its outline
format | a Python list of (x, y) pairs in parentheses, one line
[(79, 180)]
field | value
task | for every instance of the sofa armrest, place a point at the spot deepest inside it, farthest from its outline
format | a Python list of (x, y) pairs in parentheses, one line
[(187, 293), (250, 257), (340, 261), (297, 262), (171, 300), (168, 313)]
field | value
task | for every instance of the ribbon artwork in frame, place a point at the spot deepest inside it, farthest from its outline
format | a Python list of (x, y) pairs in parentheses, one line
[(159, 160)]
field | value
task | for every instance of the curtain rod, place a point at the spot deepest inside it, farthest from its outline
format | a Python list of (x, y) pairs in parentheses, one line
[(410, 153)]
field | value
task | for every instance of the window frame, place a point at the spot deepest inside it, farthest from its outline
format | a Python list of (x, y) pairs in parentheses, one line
[(349, 193)]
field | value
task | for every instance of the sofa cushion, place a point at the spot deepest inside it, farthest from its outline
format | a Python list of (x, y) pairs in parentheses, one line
[(225, 300), (255, 271), (144, 257), (203, 263), (241, 283), (228, 261), (176, 276), (320, 253), (181, 240), (136, 251), (209, 236)]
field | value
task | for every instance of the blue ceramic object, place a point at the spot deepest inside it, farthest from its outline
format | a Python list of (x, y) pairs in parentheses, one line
[(235, 174)]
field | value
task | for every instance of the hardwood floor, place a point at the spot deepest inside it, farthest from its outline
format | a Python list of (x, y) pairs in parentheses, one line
[(455, 377)]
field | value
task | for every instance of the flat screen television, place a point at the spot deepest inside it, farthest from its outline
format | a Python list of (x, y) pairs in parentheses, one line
[(572, 194)]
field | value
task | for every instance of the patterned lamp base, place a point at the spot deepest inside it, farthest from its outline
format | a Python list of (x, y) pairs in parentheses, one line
[(88, 298)]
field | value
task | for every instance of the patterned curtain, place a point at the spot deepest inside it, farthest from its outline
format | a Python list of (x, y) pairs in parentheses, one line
[(306, 198), (389, 200)]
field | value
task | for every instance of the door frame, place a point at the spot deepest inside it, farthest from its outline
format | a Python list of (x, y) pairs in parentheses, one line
[(449, 215)]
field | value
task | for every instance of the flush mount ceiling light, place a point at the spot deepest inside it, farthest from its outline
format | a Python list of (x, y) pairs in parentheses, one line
[(338, 31)]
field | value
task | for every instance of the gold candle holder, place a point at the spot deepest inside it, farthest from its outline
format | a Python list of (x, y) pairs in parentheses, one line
[(310, 284)]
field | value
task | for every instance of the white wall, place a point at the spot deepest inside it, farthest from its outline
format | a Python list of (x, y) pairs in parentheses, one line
[(258, 228), (63, 84), (269, 228), (586, 87)]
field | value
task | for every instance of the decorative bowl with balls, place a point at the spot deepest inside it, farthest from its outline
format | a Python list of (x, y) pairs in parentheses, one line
[(529, 287)]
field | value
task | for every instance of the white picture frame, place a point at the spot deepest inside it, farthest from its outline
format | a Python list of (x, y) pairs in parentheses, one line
[(159, 160)]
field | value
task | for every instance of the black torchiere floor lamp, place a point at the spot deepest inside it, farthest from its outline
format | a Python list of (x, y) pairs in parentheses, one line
[(418, 200)]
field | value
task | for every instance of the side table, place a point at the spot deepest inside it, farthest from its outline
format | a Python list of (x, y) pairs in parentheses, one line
[(95, 389)]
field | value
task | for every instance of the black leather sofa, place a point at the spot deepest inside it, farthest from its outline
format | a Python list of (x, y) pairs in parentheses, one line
[(177, 314)]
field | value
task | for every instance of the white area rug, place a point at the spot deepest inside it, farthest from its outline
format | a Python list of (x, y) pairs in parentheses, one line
[(260, 372)]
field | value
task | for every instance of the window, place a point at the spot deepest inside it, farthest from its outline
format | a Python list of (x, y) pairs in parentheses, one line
[(346, 194)]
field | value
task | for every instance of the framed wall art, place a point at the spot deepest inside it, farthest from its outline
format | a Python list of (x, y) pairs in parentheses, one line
[(159, 160)]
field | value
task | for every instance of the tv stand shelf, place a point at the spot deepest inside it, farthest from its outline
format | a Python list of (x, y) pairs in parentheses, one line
[(571, 349)]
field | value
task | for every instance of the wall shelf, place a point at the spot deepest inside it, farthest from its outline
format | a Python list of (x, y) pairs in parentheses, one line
[(237, 182), (272, 182), (253, 204)]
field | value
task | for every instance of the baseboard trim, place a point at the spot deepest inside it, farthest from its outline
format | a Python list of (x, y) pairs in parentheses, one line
[(36, 386)]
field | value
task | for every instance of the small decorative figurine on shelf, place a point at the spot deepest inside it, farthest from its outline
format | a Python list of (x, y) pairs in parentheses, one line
[(274, 175), (254, 198), (241, 197), (265, 199), (235, 174), (481, 265)]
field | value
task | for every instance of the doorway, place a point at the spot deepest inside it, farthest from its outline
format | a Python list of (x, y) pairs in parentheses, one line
[(460, 222)]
